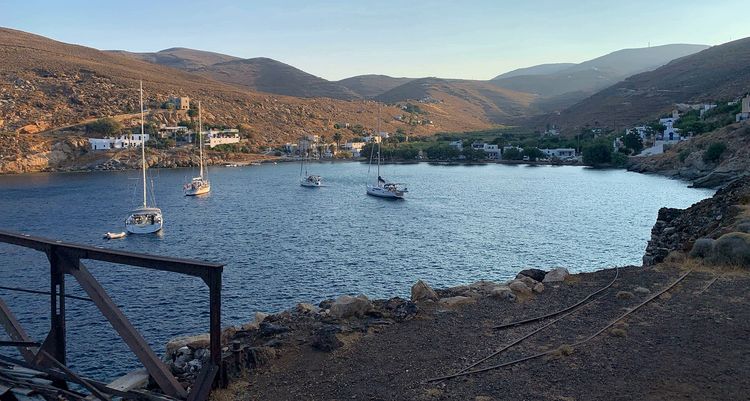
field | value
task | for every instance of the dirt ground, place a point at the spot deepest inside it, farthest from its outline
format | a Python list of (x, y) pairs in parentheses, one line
[(689, 343)]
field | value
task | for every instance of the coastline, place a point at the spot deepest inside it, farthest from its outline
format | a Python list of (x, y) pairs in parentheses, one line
[(318, 350)]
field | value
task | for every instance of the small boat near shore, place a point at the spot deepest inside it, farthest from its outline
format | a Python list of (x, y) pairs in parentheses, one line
[(110, 235), (199, 185)]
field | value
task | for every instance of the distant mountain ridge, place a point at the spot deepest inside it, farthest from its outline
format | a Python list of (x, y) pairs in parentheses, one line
[(717, 73), (563, 86)]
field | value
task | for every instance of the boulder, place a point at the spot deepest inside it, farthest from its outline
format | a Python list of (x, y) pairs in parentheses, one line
[(260, 317), (530, 282), (324, 339), (536, 274), (641, 290), (556, 275), (307, 308), (538, 288), (269, 329), (519, 287), (457, 301), (347, 306), (191, 342), (420, 291), (503, 292)]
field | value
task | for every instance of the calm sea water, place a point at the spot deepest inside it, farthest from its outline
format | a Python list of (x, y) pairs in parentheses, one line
[(284, 244)]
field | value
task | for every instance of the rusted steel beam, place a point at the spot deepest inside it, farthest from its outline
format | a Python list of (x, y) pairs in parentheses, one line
[(74, 377), (155, 367), (203, 383), (57, 308), (176, 265), (214, 287), (16, 331)]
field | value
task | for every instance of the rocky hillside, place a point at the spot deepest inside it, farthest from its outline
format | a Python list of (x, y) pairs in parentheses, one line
[(688, 160), (370, 86), (180, 57), (463, 97), (713, 218), (719, 72), (46, 85), (271, 76)]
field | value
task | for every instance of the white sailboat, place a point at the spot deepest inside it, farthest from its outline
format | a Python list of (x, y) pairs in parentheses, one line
[(144, 220), (383, 188), (309, 180), (200, 184)]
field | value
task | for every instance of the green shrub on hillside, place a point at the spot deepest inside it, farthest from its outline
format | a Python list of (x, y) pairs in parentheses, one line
[(714, 152), (104, 126)]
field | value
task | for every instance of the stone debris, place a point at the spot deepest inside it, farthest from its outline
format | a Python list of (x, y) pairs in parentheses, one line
[(420, 291), (459, 300), (536, 274), (556, 275), (519, 287)]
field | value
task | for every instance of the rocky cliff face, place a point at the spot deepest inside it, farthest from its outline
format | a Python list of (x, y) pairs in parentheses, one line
[(685, 160), (678, 229)]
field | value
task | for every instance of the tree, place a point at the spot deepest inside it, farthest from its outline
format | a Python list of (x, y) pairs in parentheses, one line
[(337, 138), (596, 154), (104, 126), (471, 154), (533, 153), (714, 152), (192, 113), (512, 154), (633, 141), (441, 151)]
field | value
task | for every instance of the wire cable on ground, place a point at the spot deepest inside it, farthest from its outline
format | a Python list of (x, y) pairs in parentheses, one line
[(565, 313), (576, 344), (555, 313)]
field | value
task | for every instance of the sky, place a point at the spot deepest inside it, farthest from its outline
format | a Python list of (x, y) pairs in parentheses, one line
[(338, 39)]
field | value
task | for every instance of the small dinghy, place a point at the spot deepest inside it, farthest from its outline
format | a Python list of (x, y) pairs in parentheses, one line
[(109, 235)]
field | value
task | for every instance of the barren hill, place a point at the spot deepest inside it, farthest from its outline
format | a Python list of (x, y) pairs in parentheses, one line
[(271, 76), (463, 97), (180, 57), (372, 85), (720, 72), (559, 86), (46, 84)]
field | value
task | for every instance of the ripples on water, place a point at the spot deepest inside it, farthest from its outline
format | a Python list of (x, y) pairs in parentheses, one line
[(284, 244)]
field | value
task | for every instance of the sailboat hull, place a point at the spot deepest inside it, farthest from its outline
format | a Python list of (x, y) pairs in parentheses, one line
[(144, 221), (384, 193), (198, 191)]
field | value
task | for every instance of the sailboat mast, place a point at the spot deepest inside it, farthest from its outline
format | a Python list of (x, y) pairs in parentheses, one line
[(378, 138), (200, 136), (143, 149)]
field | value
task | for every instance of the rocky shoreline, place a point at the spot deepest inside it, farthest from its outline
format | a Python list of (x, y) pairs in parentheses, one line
[(341, 347)]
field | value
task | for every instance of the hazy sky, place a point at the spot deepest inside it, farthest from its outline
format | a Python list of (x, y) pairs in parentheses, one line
[(337, 39)]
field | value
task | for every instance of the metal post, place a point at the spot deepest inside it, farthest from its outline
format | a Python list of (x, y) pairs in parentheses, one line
[(16, 332), (214, 286), (57, 307)]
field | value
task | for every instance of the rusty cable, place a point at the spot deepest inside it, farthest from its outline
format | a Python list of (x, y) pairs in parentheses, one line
[(576, 344)]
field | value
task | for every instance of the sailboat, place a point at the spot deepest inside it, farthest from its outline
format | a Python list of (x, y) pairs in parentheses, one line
[(144, 220), (309, 180), (200, 184), (383, 188)]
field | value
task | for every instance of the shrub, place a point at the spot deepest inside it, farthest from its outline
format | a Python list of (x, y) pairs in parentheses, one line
[(105, 126), (512, 154), (619, 159), (702, 248), (684, 153), (732, 249), (596, 154), (714, 152)]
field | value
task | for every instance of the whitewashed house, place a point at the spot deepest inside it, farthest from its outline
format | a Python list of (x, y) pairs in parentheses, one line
[(642, 131), (560, 153), (222, 137), (671, 134), (459, 145), (120, 142), (355, 148)]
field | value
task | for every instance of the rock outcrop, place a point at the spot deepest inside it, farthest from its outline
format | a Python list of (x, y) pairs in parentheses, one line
[(679, 229)]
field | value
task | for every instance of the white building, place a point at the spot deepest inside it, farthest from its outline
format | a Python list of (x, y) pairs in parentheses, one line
[(670, 132), (744, 114), (457, 144), (492, 151), (222, 137), (171, 132), (120, 142), (354, 147), (560, 153), (290, 148)]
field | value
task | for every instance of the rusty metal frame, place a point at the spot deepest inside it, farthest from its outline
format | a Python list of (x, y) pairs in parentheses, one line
[(65, 259)]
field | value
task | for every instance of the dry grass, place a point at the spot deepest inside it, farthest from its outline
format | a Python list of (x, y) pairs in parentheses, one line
[(625, 295), (617, 332)]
